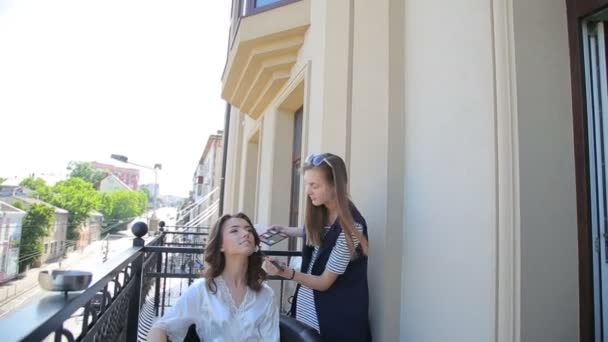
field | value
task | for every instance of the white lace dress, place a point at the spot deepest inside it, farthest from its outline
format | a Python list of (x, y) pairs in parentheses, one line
[(217, 318)]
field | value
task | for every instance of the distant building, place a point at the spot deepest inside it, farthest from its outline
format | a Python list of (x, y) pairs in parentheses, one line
[(171, 201), (90, 230), (56, 242), (11, 220), (207, 179), (154, 191), (16, 190), (50, 178), (112, 183), (128, 176)]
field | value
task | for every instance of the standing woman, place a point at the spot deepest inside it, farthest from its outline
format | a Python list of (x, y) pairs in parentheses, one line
[(332, 293)]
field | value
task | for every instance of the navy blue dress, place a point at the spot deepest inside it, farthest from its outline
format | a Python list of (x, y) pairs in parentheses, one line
[(342, 310)]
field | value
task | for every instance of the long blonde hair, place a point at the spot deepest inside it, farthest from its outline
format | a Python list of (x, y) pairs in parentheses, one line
[(334, 170)]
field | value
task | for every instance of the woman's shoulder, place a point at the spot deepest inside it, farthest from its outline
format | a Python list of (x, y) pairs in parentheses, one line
[(197, 287), (266, 292), (198, 283), (267, 289)]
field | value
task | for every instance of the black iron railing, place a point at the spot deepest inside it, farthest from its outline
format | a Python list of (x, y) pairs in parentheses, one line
[(126, 295)]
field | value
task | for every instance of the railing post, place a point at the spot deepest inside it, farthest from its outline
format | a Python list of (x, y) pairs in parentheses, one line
[(139, 229), (159, 264), (165, 282)]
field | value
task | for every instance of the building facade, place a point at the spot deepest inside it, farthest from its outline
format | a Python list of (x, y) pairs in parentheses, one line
[(112, 183), (129, 176), (207, 179), (56, 243), (11, 220), (473, 135), (90, 230), (154, 191)]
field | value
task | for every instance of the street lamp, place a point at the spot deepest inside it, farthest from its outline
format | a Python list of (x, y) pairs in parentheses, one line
[(153, 222)]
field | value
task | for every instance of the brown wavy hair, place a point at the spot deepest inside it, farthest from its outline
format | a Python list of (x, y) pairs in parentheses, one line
[(334, 170), (215, 261)]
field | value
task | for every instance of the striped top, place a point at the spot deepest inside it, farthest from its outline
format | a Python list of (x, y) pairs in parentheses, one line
[(337, 263)]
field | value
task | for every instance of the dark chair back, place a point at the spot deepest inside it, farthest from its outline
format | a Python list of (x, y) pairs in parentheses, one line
[(293, 330), (192, 336)]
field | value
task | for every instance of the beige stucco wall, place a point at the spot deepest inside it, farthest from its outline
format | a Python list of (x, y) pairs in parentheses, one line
[(449, 240), (457, 131), (330, 71), (233, 162), (248, 187), (275, 168), (376, 153)]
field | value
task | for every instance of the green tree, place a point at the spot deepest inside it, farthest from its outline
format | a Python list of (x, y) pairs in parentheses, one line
[(122, 205), (2, 180), (35, 183), (19, 205), (86, 171), (76, 196), (36, 225)]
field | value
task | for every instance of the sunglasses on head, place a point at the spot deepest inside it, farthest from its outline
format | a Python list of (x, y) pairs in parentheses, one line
[(318, 159)]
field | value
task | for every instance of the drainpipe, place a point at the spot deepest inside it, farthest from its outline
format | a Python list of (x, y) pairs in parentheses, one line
[(224, 158)]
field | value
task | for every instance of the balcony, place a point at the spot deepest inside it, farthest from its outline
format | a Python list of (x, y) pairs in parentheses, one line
[(126, 295), (265, 39)]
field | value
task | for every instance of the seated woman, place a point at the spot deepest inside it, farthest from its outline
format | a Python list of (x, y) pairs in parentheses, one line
[(232, 302)]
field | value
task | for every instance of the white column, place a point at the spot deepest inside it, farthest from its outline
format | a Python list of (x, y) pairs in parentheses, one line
[(450, 232), (377, 157), (233, 161), (330, 87)]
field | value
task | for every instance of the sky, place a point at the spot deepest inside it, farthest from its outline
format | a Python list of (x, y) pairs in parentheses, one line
[(82, 79)]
